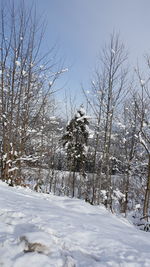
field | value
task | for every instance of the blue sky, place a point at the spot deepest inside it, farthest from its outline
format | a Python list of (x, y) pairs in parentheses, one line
[(82, 27)]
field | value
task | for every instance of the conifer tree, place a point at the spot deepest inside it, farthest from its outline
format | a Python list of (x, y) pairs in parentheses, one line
[(75, 141)]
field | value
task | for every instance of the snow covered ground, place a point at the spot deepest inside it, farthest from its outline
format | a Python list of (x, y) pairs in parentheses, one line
[(41, 230)]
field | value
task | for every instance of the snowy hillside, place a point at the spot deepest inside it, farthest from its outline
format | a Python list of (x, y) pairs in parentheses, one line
[(41, 230)]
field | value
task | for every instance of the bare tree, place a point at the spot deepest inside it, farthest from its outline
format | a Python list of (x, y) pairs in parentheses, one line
[(25, 75), (143, 104), (108, 91)]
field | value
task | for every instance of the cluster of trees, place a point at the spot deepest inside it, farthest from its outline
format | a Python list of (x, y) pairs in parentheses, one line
[(27, 80), (103, 157)]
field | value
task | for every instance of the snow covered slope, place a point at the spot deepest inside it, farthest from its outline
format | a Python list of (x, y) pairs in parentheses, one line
[(40, 230)]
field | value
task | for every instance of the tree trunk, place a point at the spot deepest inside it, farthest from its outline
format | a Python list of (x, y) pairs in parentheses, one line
[(147, 193)]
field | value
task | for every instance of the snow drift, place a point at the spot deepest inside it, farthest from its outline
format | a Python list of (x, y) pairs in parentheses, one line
[(45, 230)]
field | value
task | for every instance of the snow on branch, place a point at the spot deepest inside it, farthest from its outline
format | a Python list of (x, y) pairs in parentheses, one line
[(142, 141)]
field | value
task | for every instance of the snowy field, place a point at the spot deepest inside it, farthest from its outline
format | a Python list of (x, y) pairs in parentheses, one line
[(41, 230)]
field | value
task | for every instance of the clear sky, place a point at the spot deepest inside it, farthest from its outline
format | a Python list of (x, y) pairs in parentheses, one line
[(82, 27)]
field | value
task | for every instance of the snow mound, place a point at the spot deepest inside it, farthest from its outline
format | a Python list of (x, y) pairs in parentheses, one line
[(45, 230)]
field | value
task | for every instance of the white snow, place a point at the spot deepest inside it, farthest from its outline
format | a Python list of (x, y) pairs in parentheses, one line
[(113, 51), (142, 82), (13, 169), (137, 206), (83, 117), (42, 230), (50, 83), (18, 63), (24, 73), (64, 70)]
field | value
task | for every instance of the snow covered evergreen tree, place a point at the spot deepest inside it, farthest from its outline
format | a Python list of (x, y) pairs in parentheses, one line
[(75, 141)]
